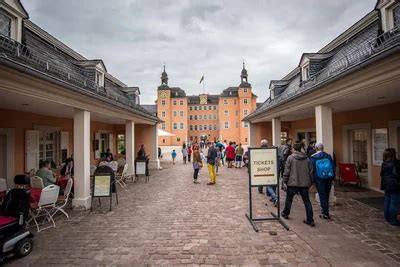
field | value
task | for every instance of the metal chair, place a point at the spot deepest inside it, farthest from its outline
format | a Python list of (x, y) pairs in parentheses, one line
[(62, 201), (36, 182), (120, 178), (46, 205)]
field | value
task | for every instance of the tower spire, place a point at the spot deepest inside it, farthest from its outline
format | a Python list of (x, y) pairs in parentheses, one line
[(164, 76)]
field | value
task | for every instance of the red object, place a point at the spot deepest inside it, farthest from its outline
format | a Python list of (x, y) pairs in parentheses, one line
[(62, 182), (189, 151), (4, 220), (348, 174), (230, 152), (35, 195)]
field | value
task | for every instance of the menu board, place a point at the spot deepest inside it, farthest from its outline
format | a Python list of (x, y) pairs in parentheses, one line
[(263, 166), (140, 168), (379, 144), (102, 186)]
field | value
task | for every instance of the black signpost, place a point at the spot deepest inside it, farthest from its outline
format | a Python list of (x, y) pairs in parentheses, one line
[(104, 185), (265, 163)]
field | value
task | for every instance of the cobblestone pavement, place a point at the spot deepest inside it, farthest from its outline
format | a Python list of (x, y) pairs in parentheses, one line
[(171, 221)]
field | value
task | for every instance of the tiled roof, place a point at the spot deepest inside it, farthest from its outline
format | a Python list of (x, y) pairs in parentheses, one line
[(211, 99), (39, 54), (150, 108), (177, 92), (325, 67), (230, 92)]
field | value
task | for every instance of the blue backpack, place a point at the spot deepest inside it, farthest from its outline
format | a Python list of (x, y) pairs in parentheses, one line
[(324, 168)]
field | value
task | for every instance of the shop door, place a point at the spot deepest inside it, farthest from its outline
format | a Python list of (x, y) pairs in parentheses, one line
[(359, 151)]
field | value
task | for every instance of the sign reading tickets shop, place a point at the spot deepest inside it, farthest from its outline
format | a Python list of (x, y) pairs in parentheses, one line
[(263, 166)]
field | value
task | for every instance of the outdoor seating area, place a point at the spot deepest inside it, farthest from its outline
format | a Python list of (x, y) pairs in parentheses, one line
[(49, 202)]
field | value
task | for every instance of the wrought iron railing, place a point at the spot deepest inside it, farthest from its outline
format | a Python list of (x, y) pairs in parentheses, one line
[(370, 47), (38, 60)]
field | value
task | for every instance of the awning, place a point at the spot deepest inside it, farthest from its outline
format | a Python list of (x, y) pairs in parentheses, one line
[(163, 133)]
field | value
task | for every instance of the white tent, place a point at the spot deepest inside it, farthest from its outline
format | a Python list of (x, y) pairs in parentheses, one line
[(163, 133)]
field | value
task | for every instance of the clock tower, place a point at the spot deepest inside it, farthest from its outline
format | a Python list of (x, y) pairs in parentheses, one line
[(163, 103)]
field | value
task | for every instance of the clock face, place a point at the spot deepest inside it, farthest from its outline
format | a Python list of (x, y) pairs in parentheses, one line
[(163, 94), (203, 100)]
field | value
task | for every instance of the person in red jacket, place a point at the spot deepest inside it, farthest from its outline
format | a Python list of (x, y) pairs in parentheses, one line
[(189, 153), (230, 154)]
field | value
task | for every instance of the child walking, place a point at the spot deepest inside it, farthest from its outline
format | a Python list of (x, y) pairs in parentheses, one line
[(173, 154), (197, 163)]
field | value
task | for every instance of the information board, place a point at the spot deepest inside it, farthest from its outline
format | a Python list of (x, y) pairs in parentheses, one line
[(102, 186), (140, 168), (263, 166)]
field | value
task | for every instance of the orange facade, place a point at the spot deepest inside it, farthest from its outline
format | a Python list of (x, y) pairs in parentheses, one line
[(219, 118)]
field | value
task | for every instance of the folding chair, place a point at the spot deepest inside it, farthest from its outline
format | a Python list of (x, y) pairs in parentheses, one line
[(36, 182), (62, 201), (46, 205), (348, 174), (120, 178)]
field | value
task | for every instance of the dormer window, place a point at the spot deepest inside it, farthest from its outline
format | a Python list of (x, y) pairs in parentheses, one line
[(99, 78), (396, 15), (5, 24), (272, 92), (305, 72), (11, 15), (390, 14)]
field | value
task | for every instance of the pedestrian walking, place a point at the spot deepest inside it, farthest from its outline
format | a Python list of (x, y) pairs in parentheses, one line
[(218, 159), (184, 153), (211, 156), (390, 183), (298, 178), (324, 176), (197, 163), (173, 155), (189, 152), (230, 154), (239, 156)]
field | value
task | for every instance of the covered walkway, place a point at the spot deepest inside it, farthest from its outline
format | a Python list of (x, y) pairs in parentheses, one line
[(173, 221)]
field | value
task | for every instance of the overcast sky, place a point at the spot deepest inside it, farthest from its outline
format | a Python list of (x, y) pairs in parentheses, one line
[(134, 38)]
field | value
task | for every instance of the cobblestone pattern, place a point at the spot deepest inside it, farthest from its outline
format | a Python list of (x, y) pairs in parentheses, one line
[(171, 221)]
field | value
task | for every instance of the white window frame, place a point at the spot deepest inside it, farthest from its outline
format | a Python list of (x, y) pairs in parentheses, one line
[(163, 126), (226, 113), (226, 125), (191, 127), (175, 113), (181, 102), (181, 126), (99, 77), (163, 102), (175, 126), (245, 90), (245, 124), (225, 101), (174, 102), (245, 101), (163, 114), (387, 14), (16, 14), (181, 113), (245, 112)]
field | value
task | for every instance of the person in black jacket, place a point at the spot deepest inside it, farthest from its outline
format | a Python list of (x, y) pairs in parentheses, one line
[(390, 182), (68, 168)]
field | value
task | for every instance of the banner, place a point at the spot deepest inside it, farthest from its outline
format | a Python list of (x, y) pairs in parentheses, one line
[(263, 165)]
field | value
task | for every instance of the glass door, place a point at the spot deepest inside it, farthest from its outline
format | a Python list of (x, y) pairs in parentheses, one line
[(359, 151)]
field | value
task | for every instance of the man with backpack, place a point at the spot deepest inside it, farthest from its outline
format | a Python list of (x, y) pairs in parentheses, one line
[(298, 177), (324, 176)]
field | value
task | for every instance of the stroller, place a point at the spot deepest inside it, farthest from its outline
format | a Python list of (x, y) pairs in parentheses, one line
[(14, 237)]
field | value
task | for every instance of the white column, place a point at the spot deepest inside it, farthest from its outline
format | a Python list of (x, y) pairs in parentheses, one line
[(252, 135), (324, 127), (154, 161), (276, 131), (82, 143), (130, 146)]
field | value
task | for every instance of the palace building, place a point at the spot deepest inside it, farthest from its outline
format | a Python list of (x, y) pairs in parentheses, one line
[(346, 95), (204, 116)]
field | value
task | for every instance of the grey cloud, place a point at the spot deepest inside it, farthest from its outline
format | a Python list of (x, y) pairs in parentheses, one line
[(135, 37)]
